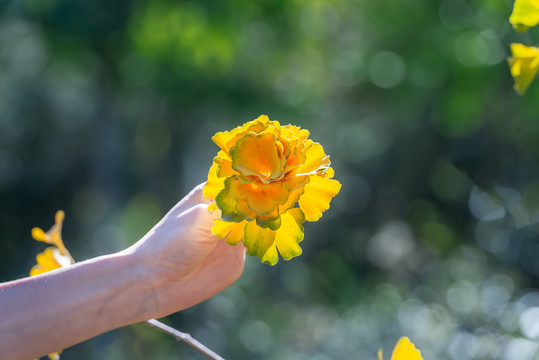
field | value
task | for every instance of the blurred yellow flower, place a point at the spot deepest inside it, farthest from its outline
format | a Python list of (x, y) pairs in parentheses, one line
[(404, 350), (48, 260), (54, 235), (266, 181), (524, 64), (54, 257), (525, 14)]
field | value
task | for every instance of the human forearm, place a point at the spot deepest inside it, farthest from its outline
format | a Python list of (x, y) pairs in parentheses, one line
[(47, 313), (176, 265)]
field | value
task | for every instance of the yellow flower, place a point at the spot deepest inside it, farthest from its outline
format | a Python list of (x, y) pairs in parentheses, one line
[(404, 350), (525, 14), (524, 65), (266, 181), (54, 235), (48, 260), (54, 257)]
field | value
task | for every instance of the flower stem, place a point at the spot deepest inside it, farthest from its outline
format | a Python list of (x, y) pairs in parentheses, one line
[(186, 338)]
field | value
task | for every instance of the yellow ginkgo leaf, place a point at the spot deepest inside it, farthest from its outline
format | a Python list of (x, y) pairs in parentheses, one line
[(524, 64), (404, 350), (48, 260), (525, 14), (54, 235), (53, 257), (55, 355)]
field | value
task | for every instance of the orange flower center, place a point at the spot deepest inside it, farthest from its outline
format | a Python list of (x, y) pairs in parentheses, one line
[(258, 155)]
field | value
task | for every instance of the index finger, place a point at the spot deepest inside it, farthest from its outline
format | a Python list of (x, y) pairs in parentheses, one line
[(193, 198)]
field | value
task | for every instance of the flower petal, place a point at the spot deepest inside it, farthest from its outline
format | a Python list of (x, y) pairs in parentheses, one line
[(39, 235), (317, 196), (329, 174), (243, 209), (315, 160), (227, 139), (290, 234), (59, 217), (46, 261), (258, 155), (234, 232), (261, 200), (271, 220), (221, 139), (237, 234), (222, 228), (55, 355), (405, 350), (525, 14), (228, 205), (296, 188), (37, 270), (54, 235), (294, 131), (524, 64), (214, 184), (212, 208), (261, 242), (225, 167)]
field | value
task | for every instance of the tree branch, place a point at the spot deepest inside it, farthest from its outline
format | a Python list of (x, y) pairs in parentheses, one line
[(186, 338)]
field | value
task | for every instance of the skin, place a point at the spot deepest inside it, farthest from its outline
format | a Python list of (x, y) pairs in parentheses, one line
[(177, 264)]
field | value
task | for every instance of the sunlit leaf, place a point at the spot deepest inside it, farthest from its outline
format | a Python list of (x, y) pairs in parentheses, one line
[(524, 64), (525, 14), (404, 350)]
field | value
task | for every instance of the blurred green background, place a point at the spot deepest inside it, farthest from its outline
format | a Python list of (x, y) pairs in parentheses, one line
[(107, 109)]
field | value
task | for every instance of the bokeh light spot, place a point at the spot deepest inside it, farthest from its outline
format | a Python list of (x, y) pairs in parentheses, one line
[(462, 297), (359, 141), (472, 49), (483, 206), (387, 69), (520, 349), (319, 19), (492, 235), (390, 244), (256, 336)]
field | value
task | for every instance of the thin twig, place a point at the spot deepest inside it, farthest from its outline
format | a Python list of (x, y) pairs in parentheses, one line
[(186, 338)]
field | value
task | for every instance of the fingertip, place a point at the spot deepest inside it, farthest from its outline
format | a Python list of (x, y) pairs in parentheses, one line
[(197, 194), (199, 187), (193, 198)]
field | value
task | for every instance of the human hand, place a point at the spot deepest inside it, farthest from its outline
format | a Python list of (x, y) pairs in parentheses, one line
[(184, 262)]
